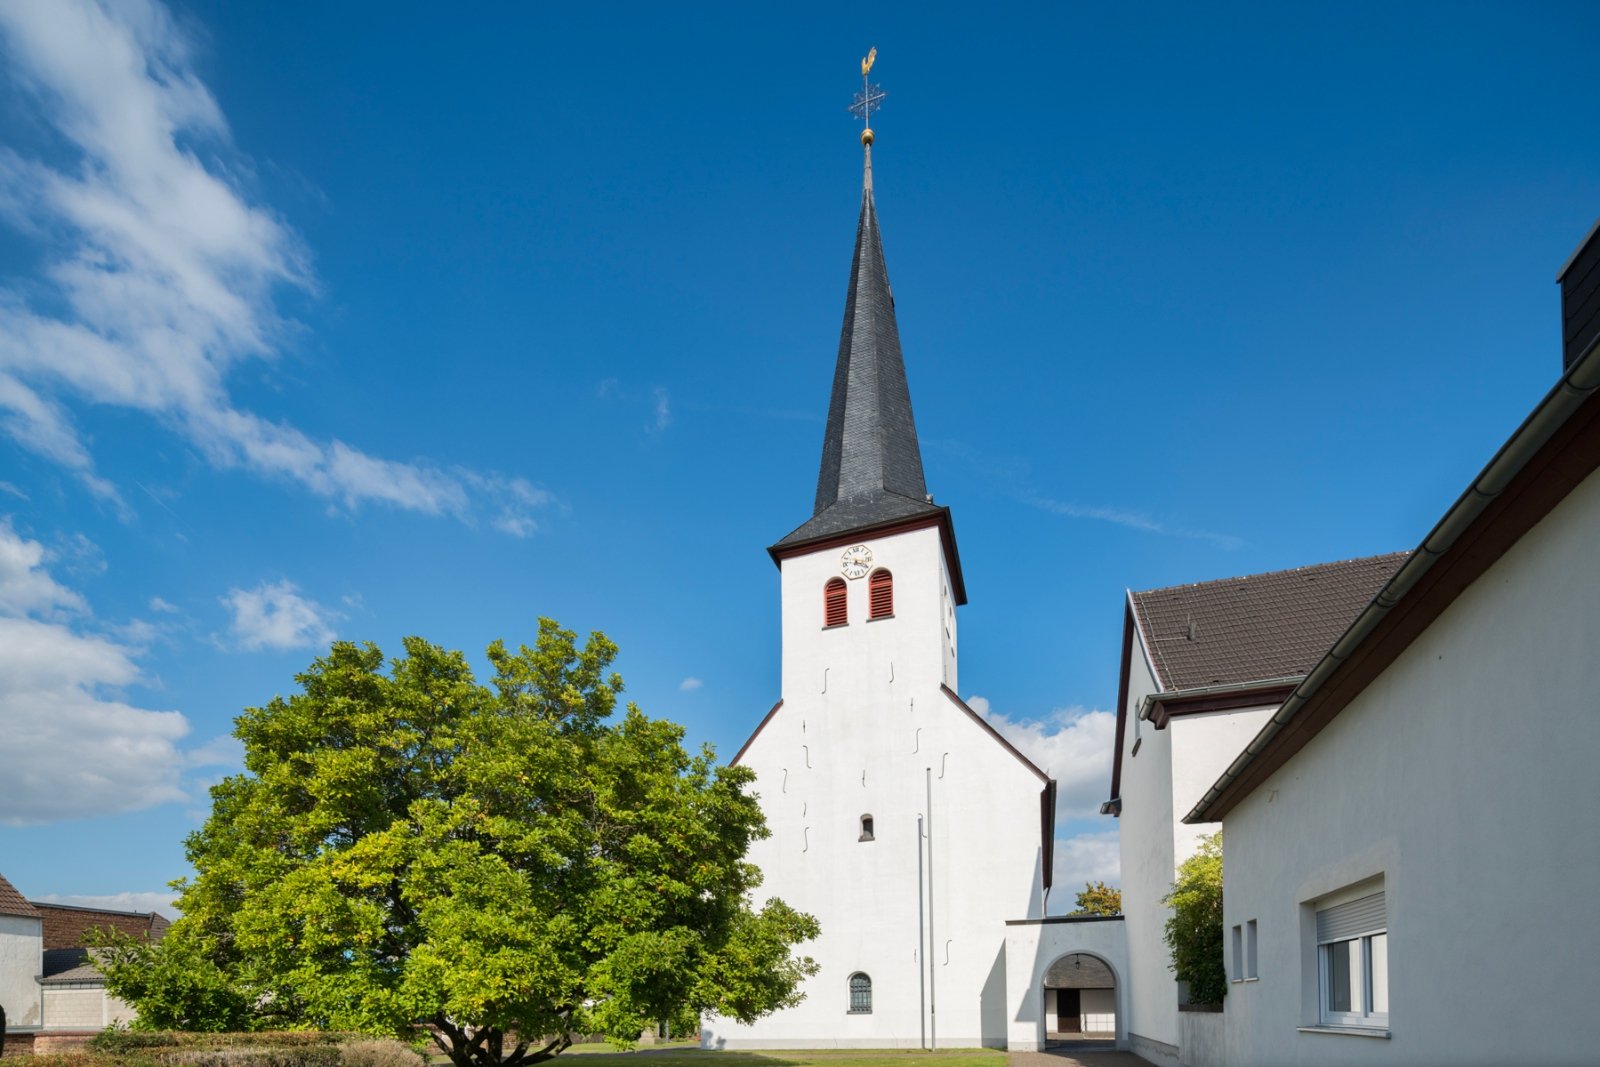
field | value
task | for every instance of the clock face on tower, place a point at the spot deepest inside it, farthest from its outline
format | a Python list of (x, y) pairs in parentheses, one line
[(855, 561)]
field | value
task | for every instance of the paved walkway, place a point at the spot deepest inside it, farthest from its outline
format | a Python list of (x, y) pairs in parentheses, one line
[(1070, 1057)]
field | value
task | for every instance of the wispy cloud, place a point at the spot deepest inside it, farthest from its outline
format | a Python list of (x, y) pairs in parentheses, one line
[(1133, 520), (274, 615), (73, 747), (689, 685), (661, 416), (1014, 478), (161, 275), (165, 607)]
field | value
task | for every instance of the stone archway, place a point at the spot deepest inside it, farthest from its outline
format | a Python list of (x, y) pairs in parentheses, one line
[(1079, 1006)]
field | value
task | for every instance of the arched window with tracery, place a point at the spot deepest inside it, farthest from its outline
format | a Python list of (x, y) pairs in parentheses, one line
[(834, 609), (880, 595), (860, 994)]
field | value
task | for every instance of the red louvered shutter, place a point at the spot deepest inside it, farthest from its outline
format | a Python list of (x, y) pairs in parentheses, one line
[(834, 610), (880, 595)]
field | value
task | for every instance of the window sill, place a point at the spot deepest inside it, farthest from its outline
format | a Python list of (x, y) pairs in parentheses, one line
[(855, 1012), (1243, 981), (836, 626), (879, 618), (1346, 1031)]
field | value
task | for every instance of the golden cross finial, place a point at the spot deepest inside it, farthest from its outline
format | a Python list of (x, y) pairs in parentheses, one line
[(869, 99)]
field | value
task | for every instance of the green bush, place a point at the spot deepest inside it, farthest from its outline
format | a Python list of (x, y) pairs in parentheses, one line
[(385, 1052), (1194, 931)]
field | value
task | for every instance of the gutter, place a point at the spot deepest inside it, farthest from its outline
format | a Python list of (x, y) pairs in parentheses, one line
[(1576, 386), (1168, 695)]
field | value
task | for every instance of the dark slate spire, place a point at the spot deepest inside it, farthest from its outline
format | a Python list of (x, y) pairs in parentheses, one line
[(871, 464)]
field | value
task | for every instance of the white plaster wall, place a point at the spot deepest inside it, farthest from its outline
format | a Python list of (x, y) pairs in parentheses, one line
[(1099, 1010), (1030, 950), (21, 963), (1146, 839), (1465, 776), (1203, 747), (863, 721), (1170, 773)]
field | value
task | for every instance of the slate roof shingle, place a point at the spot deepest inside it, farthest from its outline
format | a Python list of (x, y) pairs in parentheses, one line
[(871, 469), (14, 903), (1257, 627), (69, 965)]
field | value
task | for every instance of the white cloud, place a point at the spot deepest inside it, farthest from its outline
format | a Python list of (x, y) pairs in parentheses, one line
[(222, 751), (73, 747), (275, 615), (165, 607), (1073, 745), (1092, 857), (661, 412), (161, 276), (1133, 520), (164, 901), (689, 685), (25, 587)]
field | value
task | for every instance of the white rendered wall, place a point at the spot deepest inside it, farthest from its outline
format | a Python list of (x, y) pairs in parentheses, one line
[(1032, 947), (862, 724), (21, 962), (1465, 776), (76, 1008), (1171, 771), (1145, 835)]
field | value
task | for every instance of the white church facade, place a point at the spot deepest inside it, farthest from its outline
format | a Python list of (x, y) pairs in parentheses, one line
[(919, 837)]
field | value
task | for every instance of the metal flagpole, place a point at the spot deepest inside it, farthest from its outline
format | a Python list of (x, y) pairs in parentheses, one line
[(933, 1009), (922, 973)]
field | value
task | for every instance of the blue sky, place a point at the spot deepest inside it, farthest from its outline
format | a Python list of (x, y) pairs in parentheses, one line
[(367, 320)]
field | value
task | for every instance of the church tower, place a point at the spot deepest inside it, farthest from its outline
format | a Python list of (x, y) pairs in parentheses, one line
[(899, 817)]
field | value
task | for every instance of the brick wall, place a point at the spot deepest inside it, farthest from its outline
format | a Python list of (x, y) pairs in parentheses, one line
[(64, 927)]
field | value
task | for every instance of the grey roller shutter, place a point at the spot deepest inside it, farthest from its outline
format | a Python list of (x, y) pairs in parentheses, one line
[(1352, 919)]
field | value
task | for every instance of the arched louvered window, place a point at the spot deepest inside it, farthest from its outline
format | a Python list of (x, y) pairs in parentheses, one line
[(880, 595), (866, 828), (860, 994), (834, 611)]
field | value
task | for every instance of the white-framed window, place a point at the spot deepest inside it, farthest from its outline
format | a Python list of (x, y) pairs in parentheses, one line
[(1243, 963), (1353, 963)]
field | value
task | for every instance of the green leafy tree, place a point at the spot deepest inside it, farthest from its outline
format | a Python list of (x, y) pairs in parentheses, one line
[(499, 863), (1097, 898), (1194, 930)]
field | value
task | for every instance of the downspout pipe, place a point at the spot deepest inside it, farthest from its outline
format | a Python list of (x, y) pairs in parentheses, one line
[(1577, 385)]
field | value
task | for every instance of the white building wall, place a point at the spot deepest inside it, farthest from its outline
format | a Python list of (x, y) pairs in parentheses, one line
[(1170, 772), (21, 963), (83, 1008), (1031, 947), (1465, 777), (863, 728), (1146, 838)]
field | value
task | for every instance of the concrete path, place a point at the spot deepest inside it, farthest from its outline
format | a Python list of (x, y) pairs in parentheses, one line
[(1064, 1057)]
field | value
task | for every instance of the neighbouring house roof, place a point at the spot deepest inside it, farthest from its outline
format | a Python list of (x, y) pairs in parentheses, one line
[(1254, 636), (1256, 627), (69, 965), (1549, 455), (66, 924), (14, 903)]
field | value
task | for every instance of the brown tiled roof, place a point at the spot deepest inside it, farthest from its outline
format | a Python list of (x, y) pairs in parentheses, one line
[(1255, 628), (65, 925), (13, 902)]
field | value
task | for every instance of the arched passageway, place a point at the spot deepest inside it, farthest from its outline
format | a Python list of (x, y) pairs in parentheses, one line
[(1080, 1002)]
